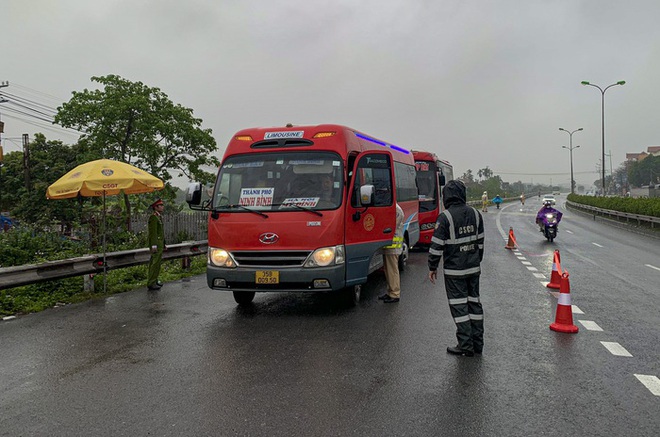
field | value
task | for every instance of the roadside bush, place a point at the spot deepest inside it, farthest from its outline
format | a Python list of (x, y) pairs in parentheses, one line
[(644, 206)]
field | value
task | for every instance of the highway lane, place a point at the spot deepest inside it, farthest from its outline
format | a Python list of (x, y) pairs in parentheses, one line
[(187, 360), (611, 281)]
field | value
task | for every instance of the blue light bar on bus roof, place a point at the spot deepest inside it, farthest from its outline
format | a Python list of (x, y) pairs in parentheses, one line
[(382, 143)]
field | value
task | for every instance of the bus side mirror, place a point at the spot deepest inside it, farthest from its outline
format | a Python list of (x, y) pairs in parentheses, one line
[(194, 194), (442, 180), (367, 195)]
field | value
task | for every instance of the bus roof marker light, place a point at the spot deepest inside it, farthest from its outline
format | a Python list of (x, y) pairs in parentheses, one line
[(382, 143), (324, 134), (399, 149)]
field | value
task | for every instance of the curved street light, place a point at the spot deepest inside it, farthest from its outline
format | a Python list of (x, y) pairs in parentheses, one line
[(570, 149), (602, 93)]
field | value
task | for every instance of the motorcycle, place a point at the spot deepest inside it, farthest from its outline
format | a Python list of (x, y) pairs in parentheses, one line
[(548, 224)]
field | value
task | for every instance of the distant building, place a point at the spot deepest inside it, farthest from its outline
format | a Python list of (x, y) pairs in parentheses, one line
[(650, 150)]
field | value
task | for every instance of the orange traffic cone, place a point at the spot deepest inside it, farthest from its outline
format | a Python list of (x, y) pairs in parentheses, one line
[(555, 277), (564, 316), (511, 244)]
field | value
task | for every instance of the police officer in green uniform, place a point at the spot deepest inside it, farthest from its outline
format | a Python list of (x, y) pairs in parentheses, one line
[(156, 241)]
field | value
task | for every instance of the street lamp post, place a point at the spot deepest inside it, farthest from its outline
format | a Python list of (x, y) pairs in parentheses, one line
[(602, 106), (570, 149)]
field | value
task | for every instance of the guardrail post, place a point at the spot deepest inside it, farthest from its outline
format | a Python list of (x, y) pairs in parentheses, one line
[(88, 282), (185, 262)]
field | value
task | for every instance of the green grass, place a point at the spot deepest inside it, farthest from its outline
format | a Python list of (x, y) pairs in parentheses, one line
[(40, 296)]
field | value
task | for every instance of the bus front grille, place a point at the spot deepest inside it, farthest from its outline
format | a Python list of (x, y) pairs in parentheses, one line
[(263, 259)]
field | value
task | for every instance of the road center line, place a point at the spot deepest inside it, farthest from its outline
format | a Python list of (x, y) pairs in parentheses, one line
[(651, 382), (596, 244), (616, 349), (653, 267), (569, 231)]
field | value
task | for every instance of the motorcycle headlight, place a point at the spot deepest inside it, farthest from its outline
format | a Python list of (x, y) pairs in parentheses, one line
[(326, 256), (220, 257)]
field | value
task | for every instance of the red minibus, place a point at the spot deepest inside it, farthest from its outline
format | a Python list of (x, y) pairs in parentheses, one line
[(432, 173), (305, 208)]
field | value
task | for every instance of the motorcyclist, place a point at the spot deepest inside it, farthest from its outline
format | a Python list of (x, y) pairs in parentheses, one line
[(497, 200), (546, 209)]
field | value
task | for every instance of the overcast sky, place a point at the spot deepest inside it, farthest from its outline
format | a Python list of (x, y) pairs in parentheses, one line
[(479, 82)]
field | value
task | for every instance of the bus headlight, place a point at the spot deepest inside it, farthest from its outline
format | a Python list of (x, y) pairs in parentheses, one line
[(220, 257), (326, 256)]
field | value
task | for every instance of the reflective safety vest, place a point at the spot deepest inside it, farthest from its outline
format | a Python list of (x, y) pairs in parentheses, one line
[(397, 243), (397, 240)]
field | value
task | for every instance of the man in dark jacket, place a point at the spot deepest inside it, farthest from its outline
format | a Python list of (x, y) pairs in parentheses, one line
[(459, 237)]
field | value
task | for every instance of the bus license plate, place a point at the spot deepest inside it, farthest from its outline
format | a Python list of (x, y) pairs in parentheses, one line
[(267, 277)]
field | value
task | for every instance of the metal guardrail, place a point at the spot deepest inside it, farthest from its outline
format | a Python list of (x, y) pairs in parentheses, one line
[(619, 215), (66, 268)]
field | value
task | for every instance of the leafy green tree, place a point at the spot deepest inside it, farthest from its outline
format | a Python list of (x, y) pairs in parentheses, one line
[(130, 122), (25, 194), (645, 171)]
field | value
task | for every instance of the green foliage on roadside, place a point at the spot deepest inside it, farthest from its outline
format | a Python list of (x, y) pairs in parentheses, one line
[(43, 295), (643, 206)]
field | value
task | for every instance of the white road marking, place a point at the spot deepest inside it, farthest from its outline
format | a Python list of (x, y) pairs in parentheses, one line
[(651, 382), (576, 310), (596, 244), (522, 258), (569, 231), (526, 263), (653, 267), (539, 275), (616, 349), (590, 326), (532, 269)]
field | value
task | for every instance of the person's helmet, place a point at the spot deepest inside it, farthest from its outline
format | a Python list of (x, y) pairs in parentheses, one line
[(485, 192)]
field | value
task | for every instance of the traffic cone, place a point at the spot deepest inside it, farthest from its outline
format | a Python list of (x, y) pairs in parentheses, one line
[(511, 244), (555, 277), (564, 316)]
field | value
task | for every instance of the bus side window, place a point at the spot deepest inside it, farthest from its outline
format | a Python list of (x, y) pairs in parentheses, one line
[(374, 171)]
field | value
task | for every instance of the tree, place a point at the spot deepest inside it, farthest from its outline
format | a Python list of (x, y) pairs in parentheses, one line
[(49, 160), (130, 122), (644, 172), (486, 173), (467, 177)]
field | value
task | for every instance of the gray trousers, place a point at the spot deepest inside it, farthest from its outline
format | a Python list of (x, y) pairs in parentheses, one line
[(465, 307)]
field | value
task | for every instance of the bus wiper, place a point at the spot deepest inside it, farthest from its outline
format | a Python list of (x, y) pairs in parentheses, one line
[(313, 211), (247, 209)]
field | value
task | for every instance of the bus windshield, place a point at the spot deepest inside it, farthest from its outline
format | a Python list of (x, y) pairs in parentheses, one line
[(427, 185), (282, 181)]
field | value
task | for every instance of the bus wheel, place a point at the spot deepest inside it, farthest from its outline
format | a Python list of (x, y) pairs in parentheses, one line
[(403, 258), (352, 294), (244, 297)]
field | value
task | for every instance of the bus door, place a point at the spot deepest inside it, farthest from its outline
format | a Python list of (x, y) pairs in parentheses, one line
[(369, 227)]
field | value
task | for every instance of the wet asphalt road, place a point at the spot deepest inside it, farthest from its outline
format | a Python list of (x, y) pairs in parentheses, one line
[(187, 361)]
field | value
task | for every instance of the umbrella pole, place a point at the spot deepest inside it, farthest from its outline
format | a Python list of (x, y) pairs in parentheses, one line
[(105, 268)]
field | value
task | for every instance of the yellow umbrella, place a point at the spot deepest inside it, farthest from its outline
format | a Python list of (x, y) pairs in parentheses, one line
[(100, 178), (103, 177)]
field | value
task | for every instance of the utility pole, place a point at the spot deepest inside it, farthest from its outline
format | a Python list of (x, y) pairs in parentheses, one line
[(2, 130), (26, 160)]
